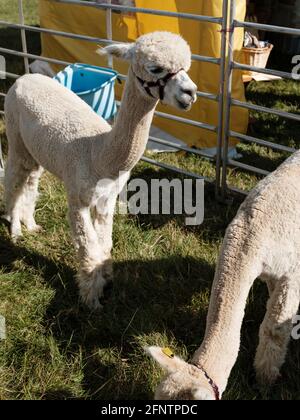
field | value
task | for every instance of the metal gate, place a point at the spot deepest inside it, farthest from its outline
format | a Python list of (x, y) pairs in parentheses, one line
[(227, 66)]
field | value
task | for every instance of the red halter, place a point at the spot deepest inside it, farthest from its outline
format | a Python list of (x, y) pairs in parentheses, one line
[(210, 381)]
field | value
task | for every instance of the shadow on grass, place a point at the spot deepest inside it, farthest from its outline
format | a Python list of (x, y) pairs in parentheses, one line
[(11, 253), (271, 163), (278, 130), (59, 395), (147, 297)]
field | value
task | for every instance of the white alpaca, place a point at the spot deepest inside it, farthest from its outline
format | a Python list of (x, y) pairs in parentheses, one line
[(49, 127), (262, 241)]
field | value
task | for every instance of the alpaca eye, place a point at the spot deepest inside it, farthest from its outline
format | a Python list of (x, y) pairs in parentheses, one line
[(156, 70)]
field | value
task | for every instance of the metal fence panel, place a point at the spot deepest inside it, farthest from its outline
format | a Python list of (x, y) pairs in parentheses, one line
[(230, 101), (222, 21)]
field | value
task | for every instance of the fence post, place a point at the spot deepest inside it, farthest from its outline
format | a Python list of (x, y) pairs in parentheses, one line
[(228, 97), (2, 76), (23, 35), (224, 36), (109, 33)]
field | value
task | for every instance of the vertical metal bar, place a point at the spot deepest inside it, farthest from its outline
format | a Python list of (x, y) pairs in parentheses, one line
[(228, 93), (109, 33), (221, 97), (1, 163), (23, 35)]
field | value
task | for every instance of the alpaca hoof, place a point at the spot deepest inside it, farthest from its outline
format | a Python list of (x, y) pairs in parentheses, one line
[(6, 217), (34, 228), (108, 271), (16, 236), (91, 286), (93, 303), (91, 297), (15, 232)]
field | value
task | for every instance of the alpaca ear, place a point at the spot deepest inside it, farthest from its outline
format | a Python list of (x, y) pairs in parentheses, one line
[(124, 51), (166, 359)]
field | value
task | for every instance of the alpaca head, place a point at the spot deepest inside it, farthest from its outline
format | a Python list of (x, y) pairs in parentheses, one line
[(160, 61), (183, 380)]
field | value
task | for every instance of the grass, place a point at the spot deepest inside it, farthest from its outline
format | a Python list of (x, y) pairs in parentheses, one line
[(57, 349), (10, 11)]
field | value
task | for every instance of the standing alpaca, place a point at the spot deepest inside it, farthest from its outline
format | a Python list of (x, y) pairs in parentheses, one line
[(262, 241), (49, 127)]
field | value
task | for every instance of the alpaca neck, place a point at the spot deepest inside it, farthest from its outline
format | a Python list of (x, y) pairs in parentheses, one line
[(126, 142), (220, 348)]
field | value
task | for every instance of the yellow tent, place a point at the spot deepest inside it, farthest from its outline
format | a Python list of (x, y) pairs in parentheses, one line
[(204, 38)]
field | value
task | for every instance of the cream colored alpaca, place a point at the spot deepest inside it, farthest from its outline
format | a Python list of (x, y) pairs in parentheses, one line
[(262, 241), (49, 127)]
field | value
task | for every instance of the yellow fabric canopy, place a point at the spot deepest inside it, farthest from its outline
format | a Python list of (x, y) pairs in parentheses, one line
[(204, 38)]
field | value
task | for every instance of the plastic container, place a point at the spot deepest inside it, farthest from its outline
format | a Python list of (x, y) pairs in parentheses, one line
[(94, 85)]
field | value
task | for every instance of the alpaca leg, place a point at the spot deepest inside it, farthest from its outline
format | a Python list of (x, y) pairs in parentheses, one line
[(15, 180), (103, 223), (91, 278), (30, 198), (271, 283), (20, 165), (276, 329)]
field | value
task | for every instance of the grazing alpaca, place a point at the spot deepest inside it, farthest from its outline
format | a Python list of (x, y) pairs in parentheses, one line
[(262, 241), (49, 127)]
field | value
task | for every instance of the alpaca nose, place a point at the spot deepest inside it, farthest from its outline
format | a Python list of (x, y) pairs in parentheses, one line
[(192, 92), (188, 92)]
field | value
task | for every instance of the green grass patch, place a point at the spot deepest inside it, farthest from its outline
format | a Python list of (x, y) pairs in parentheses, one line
[(10, 11)]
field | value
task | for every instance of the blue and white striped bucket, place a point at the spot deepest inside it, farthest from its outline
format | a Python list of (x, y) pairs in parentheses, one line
[(94, 85)]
